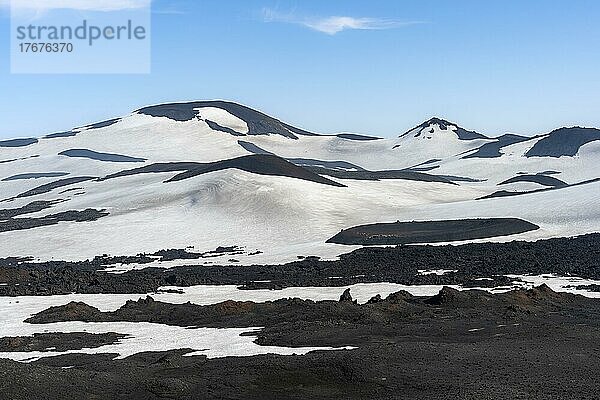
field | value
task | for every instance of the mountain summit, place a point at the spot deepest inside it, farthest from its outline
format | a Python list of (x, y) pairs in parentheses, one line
[(429, 127)]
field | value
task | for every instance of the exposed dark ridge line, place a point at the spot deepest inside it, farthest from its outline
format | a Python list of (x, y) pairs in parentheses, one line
[(379, 175), (425, 166), (18, 142), (492, 150), (155, 168), (254, 149), (461, 178), (506, 193), (432, 161), (548, 173), (32, 207), (258, 122), (102, 124), (34, 175), (563, 142), (54, 185), (60, 135), (216, 127), (261, 165), (258, 164), (246, 314), (335, 165), (18, 159), (354, 136), (98, 156), (302, 162), (423, 169), (431, 231), (539, 179)]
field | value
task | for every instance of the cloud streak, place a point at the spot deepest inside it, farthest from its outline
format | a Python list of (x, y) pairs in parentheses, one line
[(83, 5), (335, 24)]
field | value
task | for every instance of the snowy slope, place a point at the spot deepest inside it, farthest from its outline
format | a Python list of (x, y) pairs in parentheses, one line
[(281, 210)]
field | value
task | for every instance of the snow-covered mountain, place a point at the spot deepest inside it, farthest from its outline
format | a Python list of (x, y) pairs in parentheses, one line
[(214, 173)]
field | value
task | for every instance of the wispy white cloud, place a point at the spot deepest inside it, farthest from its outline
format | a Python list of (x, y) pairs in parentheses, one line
[(83, 5), (334, 24)]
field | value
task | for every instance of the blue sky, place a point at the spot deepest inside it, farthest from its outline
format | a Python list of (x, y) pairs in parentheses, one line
[(492, 66)]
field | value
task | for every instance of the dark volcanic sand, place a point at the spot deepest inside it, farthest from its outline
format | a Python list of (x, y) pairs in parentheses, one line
[(431, 231), (534, 344)]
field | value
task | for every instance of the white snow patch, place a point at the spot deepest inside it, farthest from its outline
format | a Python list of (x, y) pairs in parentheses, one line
[(142, 336), (557, 283), (223, 118), (436, 271)]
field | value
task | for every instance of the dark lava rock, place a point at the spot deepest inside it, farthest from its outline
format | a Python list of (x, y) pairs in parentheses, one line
[(59, 342), (457, 346), (73, 311), (578, 256), (398, 297), (375, 299), (22, 223), (346, 296)]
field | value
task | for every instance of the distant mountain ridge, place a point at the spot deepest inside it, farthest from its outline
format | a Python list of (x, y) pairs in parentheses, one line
[(217, 173)]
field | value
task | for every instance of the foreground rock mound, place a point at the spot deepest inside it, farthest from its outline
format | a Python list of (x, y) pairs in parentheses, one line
[(535, 344)]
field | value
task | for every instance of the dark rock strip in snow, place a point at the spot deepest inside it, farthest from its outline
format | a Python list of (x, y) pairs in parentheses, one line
[(216, 127), (540, 179), (354, 136), (98, 156), (58, 341), (423, 169), (18, 142), (431, 231), (258, 164), (378, 175), (303, 162), (549, 173), (102, 124), (254, 149), (35, 175), (32, 207), (336, 165), (22, 223), (155, 168), (55, 185), (461, 178), (492, 150), (61, 135), (18, 159), (506, 193)]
